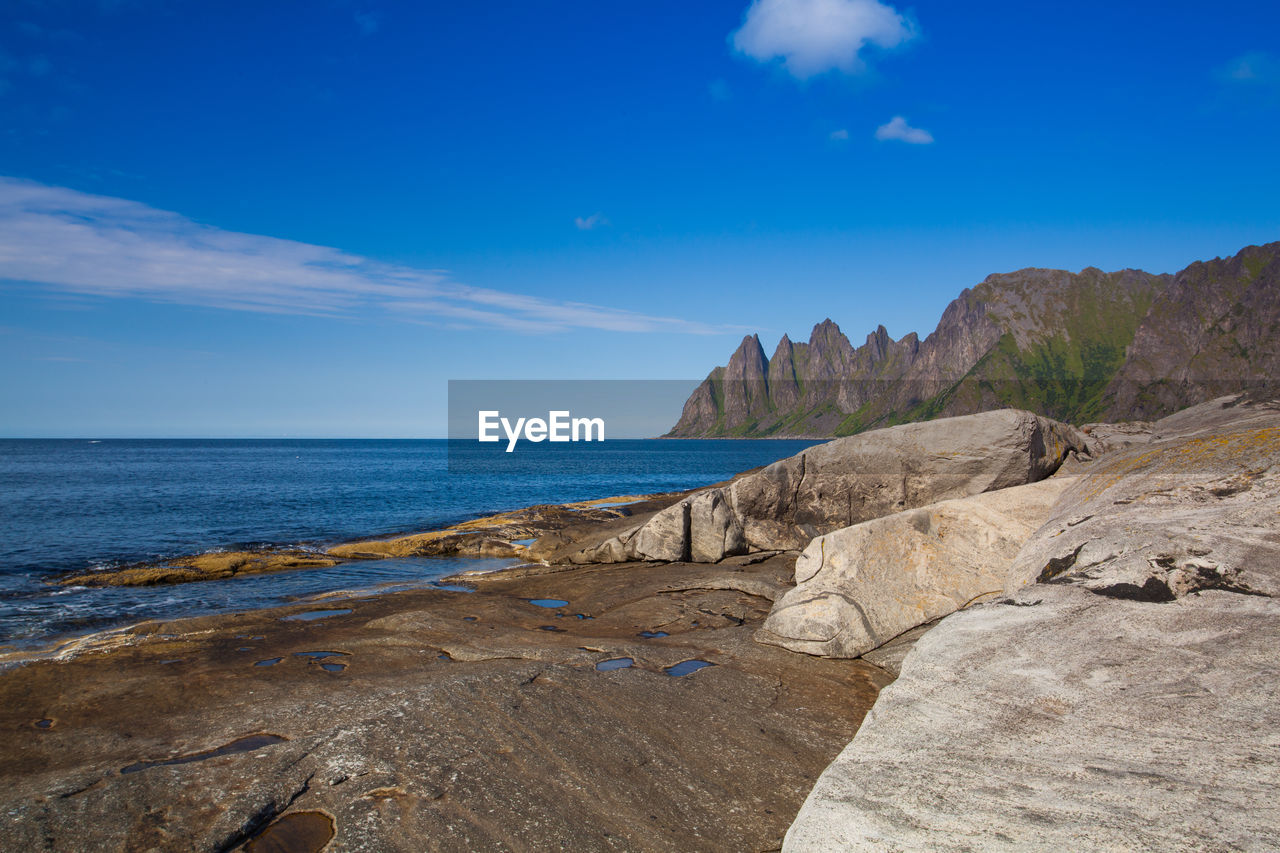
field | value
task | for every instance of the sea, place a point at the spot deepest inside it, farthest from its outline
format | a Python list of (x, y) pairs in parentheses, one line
[(71, 505)]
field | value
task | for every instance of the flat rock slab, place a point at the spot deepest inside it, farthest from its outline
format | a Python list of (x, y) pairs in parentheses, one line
[(437, 720), (1076, 722)]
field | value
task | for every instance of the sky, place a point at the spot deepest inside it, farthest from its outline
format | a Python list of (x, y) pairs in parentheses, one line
[(305, 218)]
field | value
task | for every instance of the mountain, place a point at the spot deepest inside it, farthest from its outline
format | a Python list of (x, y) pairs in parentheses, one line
[(1077, 347)]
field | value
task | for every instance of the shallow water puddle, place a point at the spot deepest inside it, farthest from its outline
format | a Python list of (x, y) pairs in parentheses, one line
[(524, 542), (615, 663), (268, 662), (687, 666), (548, 602), (311, 615), (551, 628), (653, 635), (297, 832), (320, 655), (244, 744), (46, 723)]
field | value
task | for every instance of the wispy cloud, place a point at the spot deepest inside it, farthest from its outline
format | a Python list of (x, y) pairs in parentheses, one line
[(367, 22), (898, 129), (814, 36), (1253, 68), (841, 135), (111, 247), (13, 66), (590, 223)]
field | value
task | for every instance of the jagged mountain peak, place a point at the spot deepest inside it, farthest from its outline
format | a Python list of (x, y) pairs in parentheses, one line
[(1076, 346)]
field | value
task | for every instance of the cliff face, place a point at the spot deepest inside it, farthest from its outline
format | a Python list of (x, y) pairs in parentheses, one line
[(1217, 323), (1076, 347)]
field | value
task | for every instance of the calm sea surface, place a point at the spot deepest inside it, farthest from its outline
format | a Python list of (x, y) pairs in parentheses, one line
[(70, 505)]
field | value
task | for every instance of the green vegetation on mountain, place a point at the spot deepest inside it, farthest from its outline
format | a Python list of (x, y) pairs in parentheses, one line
[(1077, 347)]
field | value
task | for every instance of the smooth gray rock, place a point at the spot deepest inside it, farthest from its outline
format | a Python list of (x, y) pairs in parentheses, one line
[(663, 537), (701, 529), (1197, 507), (1123, 701), (1078, 722), (861, 586), (714, 531), (843, 482)]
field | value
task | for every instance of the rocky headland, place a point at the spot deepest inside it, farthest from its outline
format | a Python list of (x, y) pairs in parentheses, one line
[(1081, 623)]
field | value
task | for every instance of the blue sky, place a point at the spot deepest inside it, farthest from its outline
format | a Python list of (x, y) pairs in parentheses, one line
[(304, 218)]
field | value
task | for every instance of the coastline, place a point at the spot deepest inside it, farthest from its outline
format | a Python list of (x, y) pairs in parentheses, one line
[(476, 718), (610, 697), (494, 535)]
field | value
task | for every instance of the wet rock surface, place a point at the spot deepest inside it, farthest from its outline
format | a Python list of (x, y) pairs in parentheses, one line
[(513, 534), (439, 733)]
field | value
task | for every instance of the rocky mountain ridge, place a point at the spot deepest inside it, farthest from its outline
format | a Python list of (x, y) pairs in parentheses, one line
[(1076, 347)]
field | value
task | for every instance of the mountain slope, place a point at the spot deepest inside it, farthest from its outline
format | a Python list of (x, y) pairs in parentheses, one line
[(1075, 346)]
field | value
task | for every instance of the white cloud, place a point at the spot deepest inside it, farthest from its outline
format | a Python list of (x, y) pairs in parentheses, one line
[(595, 220), (814, 36), (899, 129), (839, 135), (71, 241)]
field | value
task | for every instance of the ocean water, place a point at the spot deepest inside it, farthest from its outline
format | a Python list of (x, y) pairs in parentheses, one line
[(71, 505)]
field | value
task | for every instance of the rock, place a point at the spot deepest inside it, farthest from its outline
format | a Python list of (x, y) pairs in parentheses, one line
[(512, 740), (890, 656), (663, 537), (714, 531), (1195, 508), (200, 567), (843, 482), (850, 480), (1124, 699), (1076, 723), (861, 586), (1211, 331)]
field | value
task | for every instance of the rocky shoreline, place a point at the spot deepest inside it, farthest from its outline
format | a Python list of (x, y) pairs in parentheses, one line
[(447, 719), (498, 535), (1069, 614)]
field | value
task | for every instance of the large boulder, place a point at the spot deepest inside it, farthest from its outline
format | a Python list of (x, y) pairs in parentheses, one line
[(861, 586), (1121, 695), (843, 482)]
